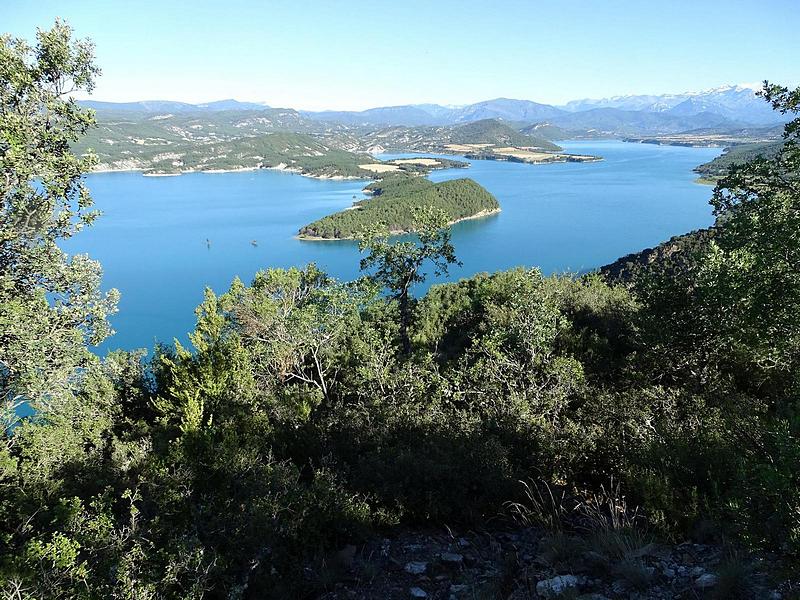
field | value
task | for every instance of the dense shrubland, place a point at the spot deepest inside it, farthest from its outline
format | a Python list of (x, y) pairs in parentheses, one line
[(309, 412)]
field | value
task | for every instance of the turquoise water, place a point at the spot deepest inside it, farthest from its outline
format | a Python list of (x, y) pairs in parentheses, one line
[(161, 240)]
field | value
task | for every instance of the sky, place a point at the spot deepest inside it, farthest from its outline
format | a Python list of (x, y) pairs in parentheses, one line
[(332, 54)]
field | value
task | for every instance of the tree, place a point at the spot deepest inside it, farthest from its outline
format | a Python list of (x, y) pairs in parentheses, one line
[(50, 303), (398, 266), (294, 322), (753, 269)]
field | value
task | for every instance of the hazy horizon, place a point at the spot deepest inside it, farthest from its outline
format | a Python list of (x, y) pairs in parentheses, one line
[(94, 98), (359, 55)]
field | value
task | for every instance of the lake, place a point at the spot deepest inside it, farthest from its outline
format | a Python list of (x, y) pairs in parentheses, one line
[(161, 240)]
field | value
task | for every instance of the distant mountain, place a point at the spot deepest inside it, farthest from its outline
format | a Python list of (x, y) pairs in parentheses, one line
[(414, 115), (409, 115), (143, 106), (168, 106), (488, 132), (614, 121), (507, 109), (726, 107), (735, 102), (492, 131), (231, 104)]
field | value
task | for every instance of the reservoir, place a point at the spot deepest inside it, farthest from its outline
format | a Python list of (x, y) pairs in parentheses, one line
[(162, 240)]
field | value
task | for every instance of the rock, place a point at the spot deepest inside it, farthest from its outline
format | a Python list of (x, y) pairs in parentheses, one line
[(458, 589), (669, 573), (553, 588), (416, 592), (648, 550), (463, 543), (416, 567), (697, 571), (451, 558), (706, 581)]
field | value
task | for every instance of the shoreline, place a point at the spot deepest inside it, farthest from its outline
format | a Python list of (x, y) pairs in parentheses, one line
[(479, 215), (557, 157), (280, 167)]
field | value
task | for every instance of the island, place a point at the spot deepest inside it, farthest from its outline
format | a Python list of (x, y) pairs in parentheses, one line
[(393, 201)]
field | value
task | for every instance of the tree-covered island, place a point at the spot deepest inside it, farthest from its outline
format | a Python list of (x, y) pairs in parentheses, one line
[(394, 201)]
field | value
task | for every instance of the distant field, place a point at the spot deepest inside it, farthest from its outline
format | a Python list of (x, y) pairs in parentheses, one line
[(466, 147), (526, 155), (379, 168), (428, 162)]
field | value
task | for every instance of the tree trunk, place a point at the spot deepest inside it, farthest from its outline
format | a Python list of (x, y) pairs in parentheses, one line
[(405, 321)]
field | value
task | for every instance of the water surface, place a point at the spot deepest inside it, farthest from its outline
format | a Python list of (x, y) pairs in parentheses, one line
[(161, 240)]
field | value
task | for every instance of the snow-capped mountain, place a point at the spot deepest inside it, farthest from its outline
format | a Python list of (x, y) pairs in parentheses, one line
[(735, 102)]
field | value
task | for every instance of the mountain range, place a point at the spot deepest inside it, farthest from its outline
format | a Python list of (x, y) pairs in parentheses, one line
[(727, 106), (736, 104)]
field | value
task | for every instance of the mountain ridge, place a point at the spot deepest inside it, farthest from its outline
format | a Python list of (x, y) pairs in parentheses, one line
[(731, 106)]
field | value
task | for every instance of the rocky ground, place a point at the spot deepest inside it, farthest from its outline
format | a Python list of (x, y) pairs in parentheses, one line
[(517, 564)]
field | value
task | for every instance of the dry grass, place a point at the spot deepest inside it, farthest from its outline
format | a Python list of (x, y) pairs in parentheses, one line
[(466, 147), (427, 162), (379, 168), (526, 155)]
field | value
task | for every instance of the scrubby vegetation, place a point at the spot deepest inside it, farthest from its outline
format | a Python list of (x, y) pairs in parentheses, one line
[(444, 139), (396, 198), (738, 155), (492, 131), (310, 412), (175, 144)]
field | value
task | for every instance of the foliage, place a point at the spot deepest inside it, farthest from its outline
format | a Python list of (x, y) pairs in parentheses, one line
[(50, 303), (398, 266), (492, 131), (739, 154)]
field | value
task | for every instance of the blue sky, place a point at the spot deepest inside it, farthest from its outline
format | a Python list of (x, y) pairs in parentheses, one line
[(357, 54)]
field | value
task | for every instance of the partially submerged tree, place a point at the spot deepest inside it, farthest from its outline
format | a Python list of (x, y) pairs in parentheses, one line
[(50, 303), (398, 266)]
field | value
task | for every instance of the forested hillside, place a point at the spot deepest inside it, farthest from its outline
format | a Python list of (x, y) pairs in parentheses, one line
[(588, 436), (738, 155), (486, 132), (184, 142), (492, 131)]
